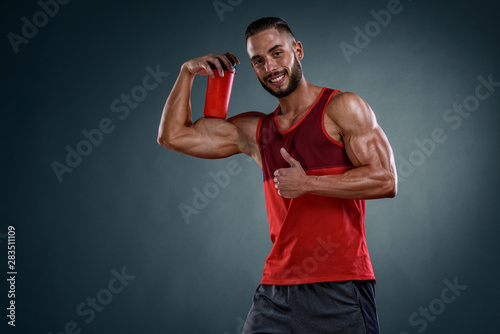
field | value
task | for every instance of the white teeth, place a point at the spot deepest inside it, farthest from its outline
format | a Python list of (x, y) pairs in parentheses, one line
[(277, 79)]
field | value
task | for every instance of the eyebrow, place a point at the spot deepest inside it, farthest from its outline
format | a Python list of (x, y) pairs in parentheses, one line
[(269, 51)]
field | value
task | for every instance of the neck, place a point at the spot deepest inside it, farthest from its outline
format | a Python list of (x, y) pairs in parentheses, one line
[(300, 99)]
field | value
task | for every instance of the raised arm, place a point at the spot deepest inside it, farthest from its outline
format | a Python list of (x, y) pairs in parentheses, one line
[(208, 138), (374, 173)]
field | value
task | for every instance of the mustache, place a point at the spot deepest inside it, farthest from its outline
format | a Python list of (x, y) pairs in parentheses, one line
[(273, 74)]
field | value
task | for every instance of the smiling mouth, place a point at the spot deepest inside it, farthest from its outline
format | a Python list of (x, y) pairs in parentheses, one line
[(278, 78)]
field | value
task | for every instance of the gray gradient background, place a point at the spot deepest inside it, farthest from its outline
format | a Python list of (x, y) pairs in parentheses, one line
[(119, 207)]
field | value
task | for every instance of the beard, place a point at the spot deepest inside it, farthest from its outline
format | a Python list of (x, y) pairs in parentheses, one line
[(295, 78)]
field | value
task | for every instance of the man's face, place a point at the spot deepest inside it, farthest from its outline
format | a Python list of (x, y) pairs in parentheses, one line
[(274, 60)]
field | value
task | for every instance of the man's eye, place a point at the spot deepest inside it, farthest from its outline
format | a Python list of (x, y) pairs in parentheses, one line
[(277, 53), (257, 62)]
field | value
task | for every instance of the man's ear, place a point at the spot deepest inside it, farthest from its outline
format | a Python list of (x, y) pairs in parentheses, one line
[(299, 51)]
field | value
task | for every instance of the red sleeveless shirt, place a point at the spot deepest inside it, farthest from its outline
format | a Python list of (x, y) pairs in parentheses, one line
[(315, 238)]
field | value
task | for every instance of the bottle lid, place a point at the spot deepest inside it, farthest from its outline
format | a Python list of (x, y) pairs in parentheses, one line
[(224, 67)]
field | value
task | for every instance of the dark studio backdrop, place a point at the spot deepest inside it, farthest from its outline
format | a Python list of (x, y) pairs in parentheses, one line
[(115, 234)]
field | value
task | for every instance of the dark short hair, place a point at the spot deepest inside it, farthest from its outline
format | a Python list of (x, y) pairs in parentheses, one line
[(267, 23)]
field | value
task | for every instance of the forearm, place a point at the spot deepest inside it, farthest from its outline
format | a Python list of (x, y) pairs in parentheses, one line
[(363, 182), (176, 114)]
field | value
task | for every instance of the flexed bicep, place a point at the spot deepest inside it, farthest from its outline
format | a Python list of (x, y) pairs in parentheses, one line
[(209, 138), (365, 142), (374, 173)]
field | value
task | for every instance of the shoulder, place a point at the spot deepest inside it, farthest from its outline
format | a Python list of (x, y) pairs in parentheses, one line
[(246, 119), (246, 124), (349, 111), (347, 103)]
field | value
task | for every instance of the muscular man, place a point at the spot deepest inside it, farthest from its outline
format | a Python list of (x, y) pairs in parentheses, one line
[(322, 155)]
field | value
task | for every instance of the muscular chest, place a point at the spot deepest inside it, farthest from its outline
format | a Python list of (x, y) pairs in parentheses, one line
[(329, 127)]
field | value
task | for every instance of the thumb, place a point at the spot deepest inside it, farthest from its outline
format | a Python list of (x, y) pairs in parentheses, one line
[(289, 158)]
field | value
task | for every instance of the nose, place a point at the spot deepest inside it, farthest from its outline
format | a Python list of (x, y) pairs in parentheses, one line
[(271, 65)]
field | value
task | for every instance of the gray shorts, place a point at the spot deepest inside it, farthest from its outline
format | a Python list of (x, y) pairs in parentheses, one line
[(344, 307)]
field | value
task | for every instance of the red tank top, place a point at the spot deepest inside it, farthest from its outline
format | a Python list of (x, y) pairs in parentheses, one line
[(315, 238)]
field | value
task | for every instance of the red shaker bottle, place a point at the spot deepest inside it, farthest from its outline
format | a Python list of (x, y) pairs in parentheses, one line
[(219, 92)]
